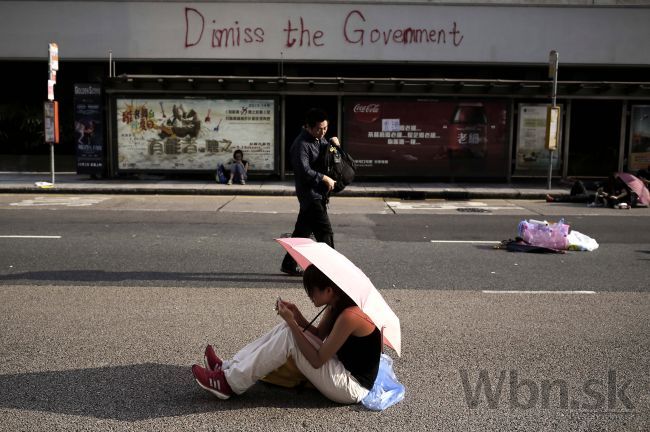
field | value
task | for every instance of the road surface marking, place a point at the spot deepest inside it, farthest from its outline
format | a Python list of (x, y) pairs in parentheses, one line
[(60, 201), (30, 236), (535, 292), (449, 205)]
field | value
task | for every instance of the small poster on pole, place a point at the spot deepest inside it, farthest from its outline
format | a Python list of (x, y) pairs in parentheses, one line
[(54, 56), (51, 122), (552, 127)]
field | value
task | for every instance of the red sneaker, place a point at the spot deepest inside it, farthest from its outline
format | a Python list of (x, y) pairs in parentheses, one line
[(213, 381), (210, 359)]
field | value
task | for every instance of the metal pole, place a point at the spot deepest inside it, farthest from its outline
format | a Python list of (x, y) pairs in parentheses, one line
[(110, 63), (553, 62), (511, 134), (283, 122), (550, 168), (52, 161), (566, 129), (621, 146)]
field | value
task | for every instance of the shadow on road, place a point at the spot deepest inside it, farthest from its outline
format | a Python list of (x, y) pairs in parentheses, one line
[(99, 276), (136, 392)]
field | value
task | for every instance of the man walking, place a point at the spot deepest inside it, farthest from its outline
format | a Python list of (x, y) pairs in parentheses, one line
[(311, 186)]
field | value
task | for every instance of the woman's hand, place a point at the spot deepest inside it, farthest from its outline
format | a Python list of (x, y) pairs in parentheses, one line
[(286, 312), (292, 307)]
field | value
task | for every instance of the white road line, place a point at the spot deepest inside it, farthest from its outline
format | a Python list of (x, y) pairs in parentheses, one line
[(466, 241), (535, 292), (30, 236)]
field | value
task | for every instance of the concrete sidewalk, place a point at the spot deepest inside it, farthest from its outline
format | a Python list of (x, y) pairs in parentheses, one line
[(12, 182)]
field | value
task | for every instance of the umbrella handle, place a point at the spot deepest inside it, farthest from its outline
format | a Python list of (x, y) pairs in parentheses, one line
[(312, 321)]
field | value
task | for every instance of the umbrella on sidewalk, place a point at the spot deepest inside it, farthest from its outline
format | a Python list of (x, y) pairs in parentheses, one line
[(351, 280), (637, 186)]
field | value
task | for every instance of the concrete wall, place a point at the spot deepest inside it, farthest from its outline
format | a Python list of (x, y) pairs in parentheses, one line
[(398, 31)]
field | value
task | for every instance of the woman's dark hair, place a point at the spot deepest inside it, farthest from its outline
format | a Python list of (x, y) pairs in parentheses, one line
[(315, 116), (314, 278), (234, 155)]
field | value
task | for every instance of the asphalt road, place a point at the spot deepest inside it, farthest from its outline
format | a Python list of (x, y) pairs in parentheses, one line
[(100, 321)]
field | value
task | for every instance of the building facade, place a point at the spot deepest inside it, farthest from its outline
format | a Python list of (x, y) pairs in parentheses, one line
[(418, 90)]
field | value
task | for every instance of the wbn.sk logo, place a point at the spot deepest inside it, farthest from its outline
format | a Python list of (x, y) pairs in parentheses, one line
[(527, 393)]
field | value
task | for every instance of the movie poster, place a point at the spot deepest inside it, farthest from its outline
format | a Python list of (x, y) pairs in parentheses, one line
[(639, 138), (194, 134), (532, 158), (89, 131), (427, 138)]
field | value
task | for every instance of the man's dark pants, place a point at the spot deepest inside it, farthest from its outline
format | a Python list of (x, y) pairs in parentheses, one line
[(311, 219)]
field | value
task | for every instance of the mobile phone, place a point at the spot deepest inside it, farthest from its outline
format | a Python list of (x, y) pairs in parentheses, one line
[(277, 303)]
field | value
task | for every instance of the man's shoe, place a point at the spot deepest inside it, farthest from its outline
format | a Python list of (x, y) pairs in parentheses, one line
[(292, 271), (229, 182), (242, 182), (212, 381), (210, 359)]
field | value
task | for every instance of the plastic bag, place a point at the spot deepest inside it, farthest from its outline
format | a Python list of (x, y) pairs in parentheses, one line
[(221, 174), (581, 242), (387, 390), (542, 233)]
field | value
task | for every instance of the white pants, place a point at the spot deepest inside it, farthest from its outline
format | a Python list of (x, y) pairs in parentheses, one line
[(269, 352)]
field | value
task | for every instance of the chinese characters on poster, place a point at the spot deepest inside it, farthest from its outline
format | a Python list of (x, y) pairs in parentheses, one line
[(194, 134)]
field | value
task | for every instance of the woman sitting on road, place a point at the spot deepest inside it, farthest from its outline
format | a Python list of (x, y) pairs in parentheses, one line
[(340, 356)]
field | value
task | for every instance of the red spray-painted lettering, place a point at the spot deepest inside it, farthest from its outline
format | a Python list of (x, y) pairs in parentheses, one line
[(220, 37), (304, 37), (356, 31)]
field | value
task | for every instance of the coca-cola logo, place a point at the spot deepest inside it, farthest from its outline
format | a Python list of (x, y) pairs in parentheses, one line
[(366, 112)]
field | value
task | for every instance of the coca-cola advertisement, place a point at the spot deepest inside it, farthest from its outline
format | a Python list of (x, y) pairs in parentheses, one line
[(428, 138)]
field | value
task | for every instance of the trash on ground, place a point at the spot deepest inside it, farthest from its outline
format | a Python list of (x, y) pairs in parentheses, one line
[(547, 237), (581, 242), (543, 233)]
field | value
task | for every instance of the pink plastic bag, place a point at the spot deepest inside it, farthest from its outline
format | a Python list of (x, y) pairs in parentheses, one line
[(542, 233)]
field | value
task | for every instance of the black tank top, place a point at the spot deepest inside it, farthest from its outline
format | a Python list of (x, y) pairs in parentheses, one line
[(360, 356)]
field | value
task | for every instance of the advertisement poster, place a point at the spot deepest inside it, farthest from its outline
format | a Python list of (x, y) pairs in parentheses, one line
[(194, 134), (427, 138), (532, 156), (89, 130), (639, 138)]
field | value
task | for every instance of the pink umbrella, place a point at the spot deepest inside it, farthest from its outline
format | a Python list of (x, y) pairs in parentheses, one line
[(637, 186), (351, 280)]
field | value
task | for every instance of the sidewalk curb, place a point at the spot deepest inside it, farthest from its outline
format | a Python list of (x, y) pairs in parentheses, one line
[(398, 193)]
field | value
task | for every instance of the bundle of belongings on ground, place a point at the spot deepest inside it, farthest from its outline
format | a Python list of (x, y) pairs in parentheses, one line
[(546, 237)]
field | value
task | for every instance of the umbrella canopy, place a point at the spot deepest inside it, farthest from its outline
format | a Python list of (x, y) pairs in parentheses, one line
[(637, 186), (351, 280)]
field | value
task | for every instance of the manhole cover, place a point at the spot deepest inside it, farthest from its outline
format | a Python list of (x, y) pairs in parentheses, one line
[(473, 210)]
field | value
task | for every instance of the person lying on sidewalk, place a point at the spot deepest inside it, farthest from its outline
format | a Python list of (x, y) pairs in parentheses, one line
[(580, 193), (340, 356), (609, 193)]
